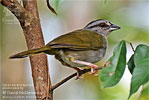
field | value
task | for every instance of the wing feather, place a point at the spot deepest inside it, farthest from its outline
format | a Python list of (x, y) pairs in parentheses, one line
[(79, 40)]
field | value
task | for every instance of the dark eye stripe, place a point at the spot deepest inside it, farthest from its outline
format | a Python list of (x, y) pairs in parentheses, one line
[(99, 25), (103, 25)]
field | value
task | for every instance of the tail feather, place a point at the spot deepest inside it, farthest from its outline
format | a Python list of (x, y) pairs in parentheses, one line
[(30, 52)]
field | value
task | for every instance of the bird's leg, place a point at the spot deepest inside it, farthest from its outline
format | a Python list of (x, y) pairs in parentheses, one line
[(78, 73), (93, 66), (76, 68)]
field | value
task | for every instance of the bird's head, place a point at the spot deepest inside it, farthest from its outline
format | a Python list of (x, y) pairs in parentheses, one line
[(101, 26)]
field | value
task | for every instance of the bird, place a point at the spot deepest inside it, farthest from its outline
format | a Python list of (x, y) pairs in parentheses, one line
[(79, 48)]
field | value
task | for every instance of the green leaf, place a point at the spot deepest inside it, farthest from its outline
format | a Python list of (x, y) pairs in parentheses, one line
[(131, 64), (140, 74), (112, 74), (141, 52), (145, 92)]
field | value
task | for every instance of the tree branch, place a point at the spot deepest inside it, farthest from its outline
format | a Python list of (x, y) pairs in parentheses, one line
[(71, 76), (30, 23), (52, 9), (16, 9)]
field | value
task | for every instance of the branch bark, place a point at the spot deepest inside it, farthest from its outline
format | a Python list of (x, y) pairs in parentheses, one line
[(84, 71), (30, 23)]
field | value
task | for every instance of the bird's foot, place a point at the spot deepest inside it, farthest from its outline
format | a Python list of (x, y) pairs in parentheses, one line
[(93, 71), (93, 66), (79, 76)]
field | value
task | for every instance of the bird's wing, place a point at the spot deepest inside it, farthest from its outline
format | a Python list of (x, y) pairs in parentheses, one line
[(79, 40)]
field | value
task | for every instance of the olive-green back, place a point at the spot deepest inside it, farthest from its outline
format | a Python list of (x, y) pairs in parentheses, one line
[(79, 40)]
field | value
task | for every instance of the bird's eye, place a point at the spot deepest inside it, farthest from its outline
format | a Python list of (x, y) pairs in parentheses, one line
[(103, 25)]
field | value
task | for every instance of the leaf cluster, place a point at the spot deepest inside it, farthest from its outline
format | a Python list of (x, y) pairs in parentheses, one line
[(138, 66)]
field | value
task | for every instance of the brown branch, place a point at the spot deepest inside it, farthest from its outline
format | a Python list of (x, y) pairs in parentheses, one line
[(132, 47), (71, 76), (50, 7), (30, 23), (16, 9)]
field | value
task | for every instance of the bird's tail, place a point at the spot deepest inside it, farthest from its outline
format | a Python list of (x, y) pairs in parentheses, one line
[(30, 52)]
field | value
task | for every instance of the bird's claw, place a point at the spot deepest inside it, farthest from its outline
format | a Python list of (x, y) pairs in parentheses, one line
[(79, 76), (93, 71)]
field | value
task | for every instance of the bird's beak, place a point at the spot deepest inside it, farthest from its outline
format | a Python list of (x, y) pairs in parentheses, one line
[(114, 27)]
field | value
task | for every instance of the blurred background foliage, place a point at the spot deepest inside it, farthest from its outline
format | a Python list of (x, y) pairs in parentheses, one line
[(131, 15)]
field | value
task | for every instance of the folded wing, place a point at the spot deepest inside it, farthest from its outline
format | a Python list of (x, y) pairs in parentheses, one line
[(79, 40)]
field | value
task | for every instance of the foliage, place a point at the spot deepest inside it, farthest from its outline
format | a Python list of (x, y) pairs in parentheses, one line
[(138, 65), (111, 74), (140, 68)]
